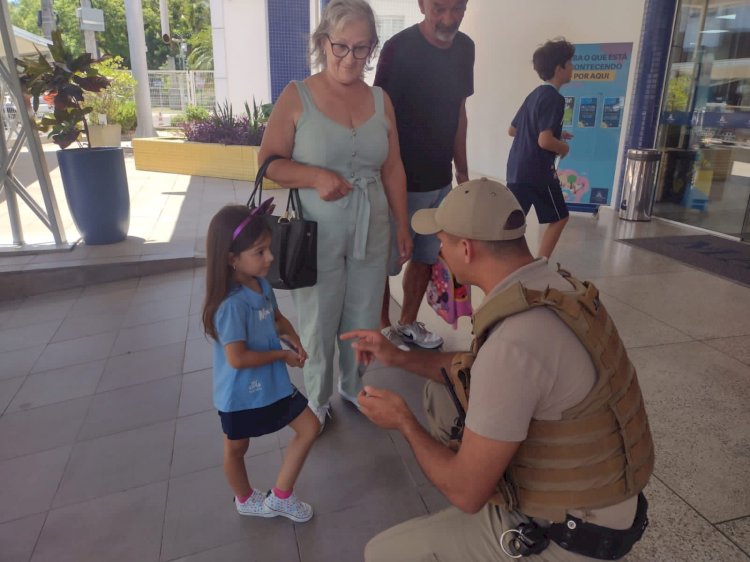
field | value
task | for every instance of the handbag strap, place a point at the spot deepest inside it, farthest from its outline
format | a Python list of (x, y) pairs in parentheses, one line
[(258, 189), (294, 204), (283, 233)]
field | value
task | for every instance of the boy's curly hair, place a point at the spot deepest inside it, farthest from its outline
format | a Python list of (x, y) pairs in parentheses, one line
[(551, 55)]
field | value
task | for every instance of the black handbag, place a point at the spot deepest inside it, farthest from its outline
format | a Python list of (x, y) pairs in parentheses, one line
[(294, 240)]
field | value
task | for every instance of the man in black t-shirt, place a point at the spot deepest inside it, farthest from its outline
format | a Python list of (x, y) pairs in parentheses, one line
[(428, 72), (537, 140)]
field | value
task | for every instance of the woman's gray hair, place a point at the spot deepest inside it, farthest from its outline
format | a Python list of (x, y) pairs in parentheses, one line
[(337, 14)]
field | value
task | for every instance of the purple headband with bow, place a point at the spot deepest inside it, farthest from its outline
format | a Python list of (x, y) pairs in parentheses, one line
[(265, 208)]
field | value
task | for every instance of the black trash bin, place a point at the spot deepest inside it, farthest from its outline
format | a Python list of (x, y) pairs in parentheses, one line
[(675, 175), (641, 172)]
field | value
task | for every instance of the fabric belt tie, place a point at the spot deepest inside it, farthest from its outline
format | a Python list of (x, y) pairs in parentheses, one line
[(360, 199)]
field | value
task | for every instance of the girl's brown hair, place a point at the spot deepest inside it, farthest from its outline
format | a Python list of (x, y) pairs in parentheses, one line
[(219, 249)]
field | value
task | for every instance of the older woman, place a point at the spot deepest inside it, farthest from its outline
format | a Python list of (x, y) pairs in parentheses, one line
[(338, 137)]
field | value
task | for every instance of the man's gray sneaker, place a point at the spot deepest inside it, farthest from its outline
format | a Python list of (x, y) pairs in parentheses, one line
[(417, 334), (392, 336)]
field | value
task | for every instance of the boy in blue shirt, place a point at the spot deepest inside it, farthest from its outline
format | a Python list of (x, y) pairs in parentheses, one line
[(538, 140)]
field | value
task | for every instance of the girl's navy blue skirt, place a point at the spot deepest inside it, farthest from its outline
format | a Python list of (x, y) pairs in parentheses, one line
[(265, 420)]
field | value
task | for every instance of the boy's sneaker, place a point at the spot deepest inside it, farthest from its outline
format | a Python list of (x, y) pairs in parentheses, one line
[(348, 397), (291, 507), (392, 336), (417, 334), (255, 505), (323, 413)]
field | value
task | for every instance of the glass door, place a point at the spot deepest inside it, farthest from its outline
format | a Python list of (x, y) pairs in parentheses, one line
[(704, 128)]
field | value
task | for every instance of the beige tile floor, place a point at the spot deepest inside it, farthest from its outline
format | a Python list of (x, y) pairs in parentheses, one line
[(110, 449)]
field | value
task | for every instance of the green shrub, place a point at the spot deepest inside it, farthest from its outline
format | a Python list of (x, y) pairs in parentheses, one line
[(194, 113), (115, 101), (126, 116)]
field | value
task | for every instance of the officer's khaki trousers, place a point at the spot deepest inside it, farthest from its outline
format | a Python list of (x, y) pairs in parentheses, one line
[(452, 535)]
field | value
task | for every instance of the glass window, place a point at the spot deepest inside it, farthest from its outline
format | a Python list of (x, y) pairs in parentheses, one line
[(705, 120)]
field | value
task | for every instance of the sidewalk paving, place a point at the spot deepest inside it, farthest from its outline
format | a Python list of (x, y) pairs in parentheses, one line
[(168, 220), (110, 448)]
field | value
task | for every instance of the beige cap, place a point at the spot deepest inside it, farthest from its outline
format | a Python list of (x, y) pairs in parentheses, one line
[(476, 209)]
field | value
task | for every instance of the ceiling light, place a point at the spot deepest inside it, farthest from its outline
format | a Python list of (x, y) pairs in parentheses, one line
[(727, 17)]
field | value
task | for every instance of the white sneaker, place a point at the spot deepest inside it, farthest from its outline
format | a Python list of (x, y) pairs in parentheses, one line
[(255, 505), (323, 413), (417, 334), (392, 336), (348, 397), (291, 507)]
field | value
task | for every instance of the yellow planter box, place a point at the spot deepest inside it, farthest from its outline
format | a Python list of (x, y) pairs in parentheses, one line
[(176, 156)]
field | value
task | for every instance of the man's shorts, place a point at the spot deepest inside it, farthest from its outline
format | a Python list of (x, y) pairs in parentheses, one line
[(426, 247), (547, 200)]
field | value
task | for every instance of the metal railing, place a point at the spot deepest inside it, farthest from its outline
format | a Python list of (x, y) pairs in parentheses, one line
[(173, 90)]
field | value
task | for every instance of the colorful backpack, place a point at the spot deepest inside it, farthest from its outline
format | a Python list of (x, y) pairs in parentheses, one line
[(449, 298)]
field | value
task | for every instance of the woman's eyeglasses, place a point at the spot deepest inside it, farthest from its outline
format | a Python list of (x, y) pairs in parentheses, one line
[(340, 50)]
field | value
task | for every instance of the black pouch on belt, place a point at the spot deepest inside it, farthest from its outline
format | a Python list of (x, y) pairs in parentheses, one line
[(598, 542)]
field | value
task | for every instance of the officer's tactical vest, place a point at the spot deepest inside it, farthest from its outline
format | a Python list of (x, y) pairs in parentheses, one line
[(600, 453)]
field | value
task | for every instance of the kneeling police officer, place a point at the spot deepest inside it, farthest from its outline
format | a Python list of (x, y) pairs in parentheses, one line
[(538, 437)]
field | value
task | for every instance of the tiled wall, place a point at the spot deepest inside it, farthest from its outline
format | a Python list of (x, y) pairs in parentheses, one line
[(288, 41)]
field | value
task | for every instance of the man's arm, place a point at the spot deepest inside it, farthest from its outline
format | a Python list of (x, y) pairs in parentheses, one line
[(459, 146), (427, 364), (467, 478), (512, 131), (371, 344)]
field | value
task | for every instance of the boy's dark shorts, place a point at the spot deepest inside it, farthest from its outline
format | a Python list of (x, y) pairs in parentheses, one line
[(547, 200), (265, 420)]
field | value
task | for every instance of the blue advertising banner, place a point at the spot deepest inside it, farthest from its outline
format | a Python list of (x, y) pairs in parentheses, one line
[(724, 120), (587, 113), (594, 103)]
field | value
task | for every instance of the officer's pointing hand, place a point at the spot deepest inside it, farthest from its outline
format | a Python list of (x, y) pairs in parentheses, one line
[(384, 408), (371, 344)]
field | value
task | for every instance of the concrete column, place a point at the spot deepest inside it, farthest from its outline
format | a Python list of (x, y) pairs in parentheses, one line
[(139, 66), (241, 57), (218, 39), (49, 22), (656, 32), (653, 58), (288, 42)]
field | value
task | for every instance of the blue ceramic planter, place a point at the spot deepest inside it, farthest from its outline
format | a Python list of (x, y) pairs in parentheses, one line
[(96, 187)]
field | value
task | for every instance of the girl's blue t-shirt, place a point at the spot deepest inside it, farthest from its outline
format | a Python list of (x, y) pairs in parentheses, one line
[(249, 317)]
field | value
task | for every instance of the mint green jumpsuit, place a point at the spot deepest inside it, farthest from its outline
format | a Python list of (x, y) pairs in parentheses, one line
[(353, 242)]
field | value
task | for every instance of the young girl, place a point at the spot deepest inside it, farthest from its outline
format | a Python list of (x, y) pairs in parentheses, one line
[(252, 390)]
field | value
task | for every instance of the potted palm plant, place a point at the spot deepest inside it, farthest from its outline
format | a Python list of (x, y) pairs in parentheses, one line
[(94, 179)]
